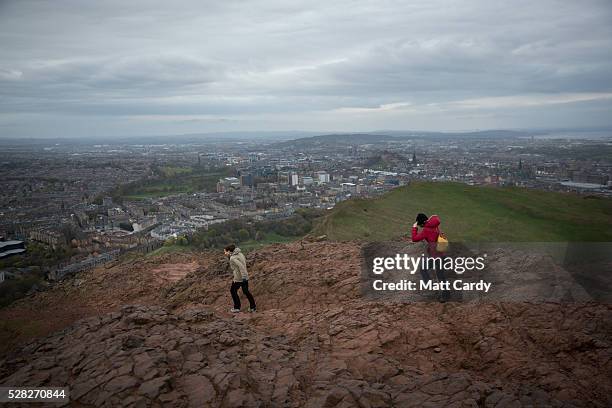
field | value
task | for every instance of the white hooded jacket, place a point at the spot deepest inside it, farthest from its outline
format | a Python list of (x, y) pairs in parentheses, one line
[(237, 262)]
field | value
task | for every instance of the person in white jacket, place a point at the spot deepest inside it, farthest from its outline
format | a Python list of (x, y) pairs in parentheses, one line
[(240, 279)]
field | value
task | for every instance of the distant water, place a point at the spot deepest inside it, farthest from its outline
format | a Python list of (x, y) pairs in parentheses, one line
[(594, 135)]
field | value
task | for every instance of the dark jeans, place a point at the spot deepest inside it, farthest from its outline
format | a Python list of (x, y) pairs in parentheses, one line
[(439, 274), (445, 294), (245, 289)]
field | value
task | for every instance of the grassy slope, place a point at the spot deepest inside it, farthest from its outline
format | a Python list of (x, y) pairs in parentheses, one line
[(168, 249), (246, 246), (471, 213), (269, 238), (176, 180)]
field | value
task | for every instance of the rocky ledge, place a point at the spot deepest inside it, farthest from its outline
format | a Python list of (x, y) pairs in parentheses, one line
[(149, 357)]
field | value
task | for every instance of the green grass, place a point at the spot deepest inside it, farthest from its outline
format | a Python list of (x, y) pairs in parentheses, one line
[(174, 180), (269, 238), (170, 249), (172, 171), (470, 213), (159, 190), (177, 185), (246, 246)]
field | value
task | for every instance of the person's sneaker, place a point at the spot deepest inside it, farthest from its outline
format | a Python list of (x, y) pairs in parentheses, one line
[(235, 310), (252, 310)]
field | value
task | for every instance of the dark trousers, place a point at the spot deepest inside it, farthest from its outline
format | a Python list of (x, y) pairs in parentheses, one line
[(245, 289), (445, 294), (438, 271)]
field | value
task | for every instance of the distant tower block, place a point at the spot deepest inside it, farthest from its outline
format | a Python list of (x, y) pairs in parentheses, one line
[(322, 177), (294, 179)]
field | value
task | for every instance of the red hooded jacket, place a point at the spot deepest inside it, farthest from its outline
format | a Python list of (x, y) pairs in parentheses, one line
[(430, 234)]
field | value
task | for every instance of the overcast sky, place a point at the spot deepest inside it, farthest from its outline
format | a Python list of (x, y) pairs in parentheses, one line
[(118, 68)]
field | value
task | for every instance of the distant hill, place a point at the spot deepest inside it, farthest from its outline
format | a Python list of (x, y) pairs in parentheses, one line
[(334, 140), (472, 213), (343, 139), (497, 133)]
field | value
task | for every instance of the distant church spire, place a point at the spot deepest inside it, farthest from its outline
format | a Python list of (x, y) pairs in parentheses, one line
[(414, 157)]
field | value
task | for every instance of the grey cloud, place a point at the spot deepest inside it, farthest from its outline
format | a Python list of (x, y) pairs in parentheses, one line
[(299, 64), (126, 74)]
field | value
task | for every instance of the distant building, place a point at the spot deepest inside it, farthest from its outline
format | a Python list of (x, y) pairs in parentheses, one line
[(392, 181), (226, 183), (253, 157), (350, 187), (295, 179), (144, 223), (323, 177), (579, 187), (49, 237), (283, 177), (247, 180), (587, 178), (8, 248), (307, 181)]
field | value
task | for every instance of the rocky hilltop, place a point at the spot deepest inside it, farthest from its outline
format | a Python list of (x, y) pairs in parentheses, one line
[(157, 332)]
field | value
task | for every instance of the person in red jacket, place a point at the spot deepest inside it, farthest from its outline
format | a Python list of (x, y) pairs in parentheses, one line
[(429, 233)]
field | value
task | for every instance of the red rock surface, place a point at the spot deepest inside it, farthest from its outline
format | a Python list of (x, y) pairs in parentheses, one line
[(314, 342)]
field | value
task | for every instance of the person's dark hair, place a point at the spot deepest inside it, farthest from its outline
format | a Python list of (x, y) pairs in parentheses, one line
[(230, 248), (421, 219)]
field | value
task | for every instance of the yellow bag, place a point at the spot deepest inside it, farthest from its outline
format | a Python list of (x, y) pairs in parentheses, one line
[(442, 244)]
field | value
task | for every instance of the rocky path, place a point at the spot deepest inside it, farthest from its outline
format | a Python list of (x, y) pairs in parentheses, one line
[(172, 273), (145, 356), (93, 293), (316, 342)]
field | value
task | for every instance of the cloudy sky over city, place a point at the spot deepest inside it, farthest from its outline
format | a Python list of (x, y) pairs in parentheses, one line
[(121, 68)]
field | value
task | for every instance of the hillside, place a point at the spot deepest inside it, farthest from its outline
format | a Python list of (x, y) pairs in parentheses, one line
[(348, 139), (335, 140), (471, 213), (315, 340)]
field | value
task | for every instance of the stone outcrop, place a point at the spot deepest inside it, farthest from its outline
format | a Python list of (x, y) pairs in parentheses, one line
[(316, 342)]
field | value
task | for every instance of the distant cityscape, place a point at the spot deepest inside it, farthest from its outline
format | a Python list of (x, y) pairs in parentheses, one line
[(100, 198)]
